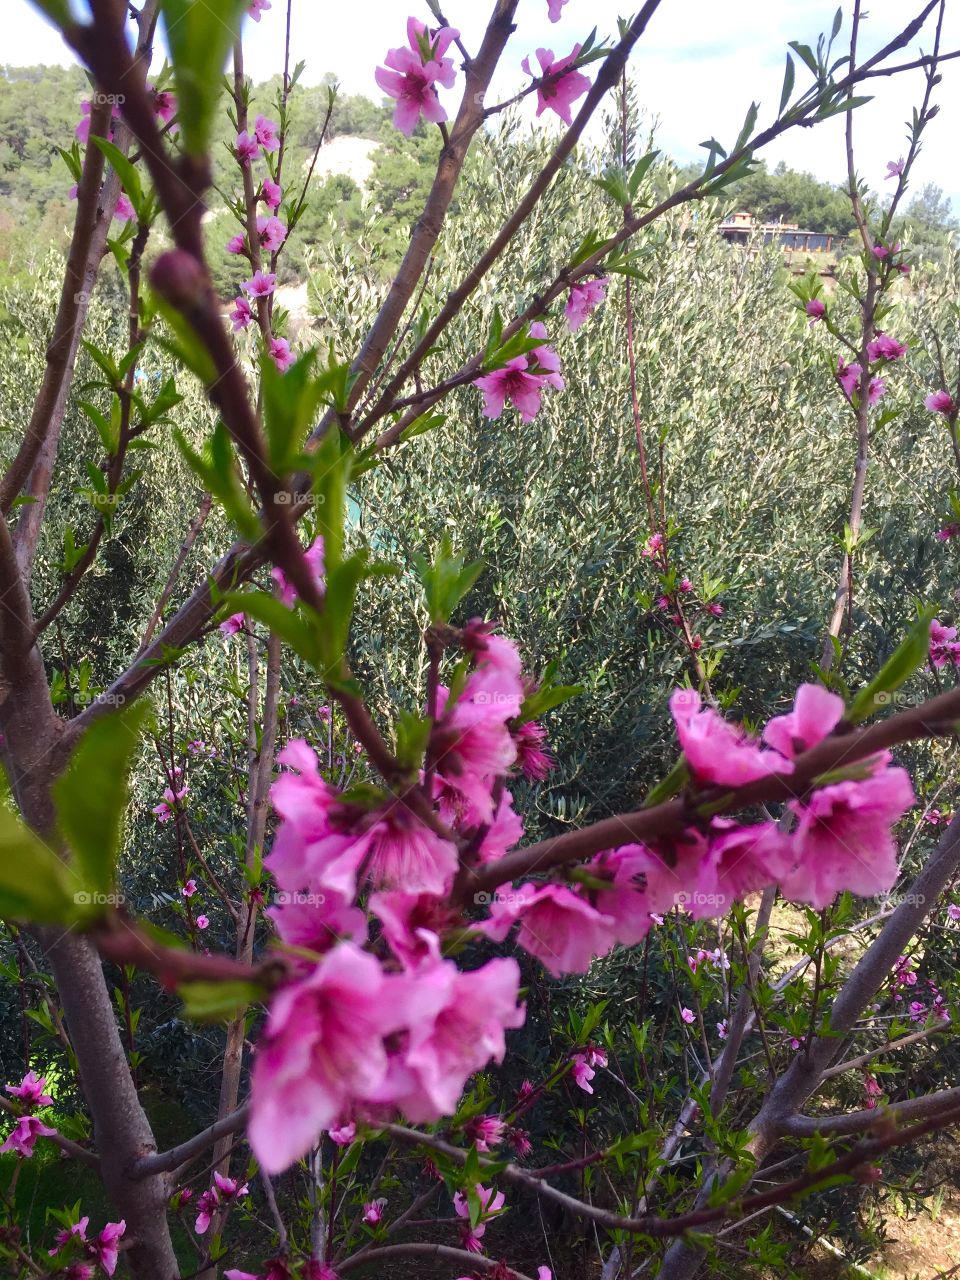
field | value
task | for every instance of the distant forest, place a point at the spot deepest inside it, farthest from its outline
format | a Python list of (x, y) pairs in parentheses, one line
[(40, 107)]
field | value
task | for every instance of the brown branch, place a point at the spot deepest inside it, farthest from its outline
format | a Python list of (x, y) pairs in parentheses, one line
[(175, 1157)]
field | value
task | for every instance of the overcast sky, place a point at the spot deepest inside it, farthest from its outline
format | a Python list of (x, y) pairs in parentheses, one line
[(697, 68)]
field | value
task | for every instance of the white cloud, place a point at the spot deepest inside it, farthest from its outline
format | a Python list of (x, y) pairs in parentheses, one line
[(697, 68)]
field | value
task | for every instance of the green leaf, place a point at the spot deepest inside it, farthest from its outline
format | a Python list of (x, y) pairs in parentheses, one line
[(125, 171), (218, 1001), (446, 581), (290, 401), (200, 35), (58, 11), (805, 53), (35, 885), (909, 657), (293, 626), (217, 470), (789, 78), (91, 796)]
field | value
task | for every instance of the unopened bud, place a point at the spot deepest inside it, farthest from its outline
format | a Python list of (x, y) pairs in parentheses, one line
[(179, 278)]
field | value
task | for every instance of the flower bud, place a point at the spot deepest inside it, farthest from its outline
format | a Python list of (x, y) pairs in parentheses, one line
[(179, 278)]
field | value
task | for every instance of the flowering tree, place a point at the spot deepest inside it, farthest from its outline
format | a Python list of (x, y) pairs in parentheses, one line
[(388, 896)]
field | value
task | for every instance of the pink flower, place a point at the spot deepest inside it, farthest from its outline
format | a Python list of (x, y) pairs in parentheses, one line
[(314, 558), (412, 924), (544, 359), (884, 347), (317, 921), (203, 922), (816, 713), (894, 168), (533, 760), (815, 310), (411, 75), (556, 925), (238, 244), (686, 585), (485, 1131), (105, 1247), (716, 751), (947, 532), (849, 375), (472, 741), (490, 1205), (164, 104), (343, 1135), (653, 544), (514, 383), (280, 353), (271, 232), (457, 1025), (723, 1029), (584, 1066), (240, 317), (583, 1072), (644, 883), (940, 402), (553, 13), (687, 1015), (941, 643), (261, 285), (271, 194), (189, 889), (843, 839), (583, 299), (737, 863), (404, 854), (24, 1134), (323, 1047), (245, 148), (257, 7), (236, 621), (123, 209), (31, 1091), (373, 1212), (265, 132), (78, 1231), (505, 831), (715, 609), (953, 912), (559, 94)]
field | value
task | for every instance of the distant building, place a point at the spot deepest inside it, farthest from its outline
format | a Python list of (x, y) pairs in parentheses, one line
[(741, 227)]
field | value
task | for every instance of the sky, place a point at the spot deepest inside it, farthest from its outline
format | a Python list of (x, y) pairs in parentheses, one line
[(697, 68)]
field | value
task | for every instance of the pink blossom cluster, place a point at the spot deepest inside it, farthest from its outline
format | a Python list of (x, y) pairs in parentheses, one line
[(412, 74), (173, 796), (375, 1020), (102, 1250), (223, 1192), (30, 1094), (944, 646), (407, 1032), (271, 234)]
